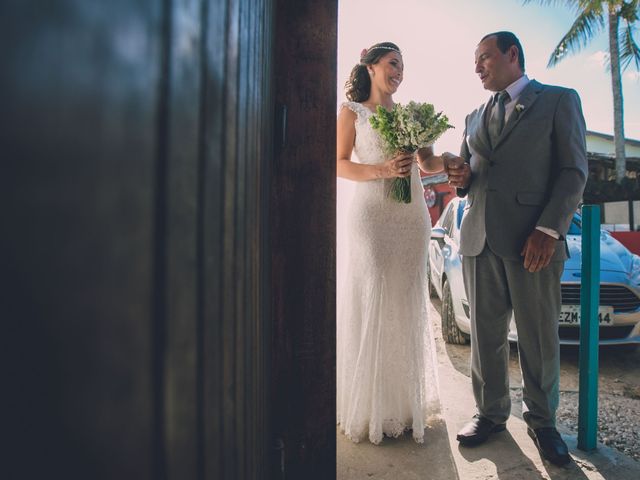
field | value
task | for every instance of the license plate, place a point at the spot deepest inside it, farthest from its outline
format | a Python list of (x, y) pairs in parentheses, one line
[(570, 315)]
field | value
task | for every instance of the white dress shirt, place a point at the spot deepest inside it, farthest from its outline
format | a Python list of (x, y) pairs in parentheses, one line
[(514, 90)]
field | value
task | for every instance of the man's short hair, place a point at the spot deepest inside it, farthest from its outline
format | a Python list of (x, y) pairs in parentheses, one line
[(506, 40)]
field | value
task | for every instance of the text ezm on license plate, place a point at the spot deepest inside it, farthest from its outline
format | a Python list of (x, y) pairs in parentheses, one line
[(570, 315)]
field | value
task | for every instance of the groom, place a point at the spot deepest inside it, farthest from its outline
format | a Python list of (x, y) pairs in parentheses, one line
[(524, 172)]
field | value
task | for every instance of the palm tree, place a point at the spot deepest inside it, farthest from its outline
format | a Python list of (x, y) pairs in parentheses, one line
[(593, 16)]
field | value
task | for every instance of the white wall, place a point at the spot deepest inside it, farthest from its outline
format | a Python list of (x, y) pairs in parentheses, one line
[(616, 215), (601, 145)]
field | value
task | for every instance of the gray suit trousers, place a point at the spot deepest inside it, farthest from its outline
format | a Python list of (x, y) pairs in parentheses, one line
[(495, 288)]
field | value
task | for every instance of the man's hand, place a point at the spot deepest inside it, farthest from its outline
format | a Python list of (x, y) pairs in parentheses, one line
[(538, 250), (458, 171)]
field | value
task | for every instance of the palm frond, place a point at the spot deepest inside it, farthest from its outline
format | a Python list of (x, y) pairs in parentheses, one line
[(555, 3), (629, 10), (577, 5), (629, 50), (589, 22), (593, 4)]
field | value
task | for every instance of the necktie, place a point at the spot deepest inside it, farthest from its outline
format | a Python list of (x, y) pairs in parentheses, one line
[(496, 122)]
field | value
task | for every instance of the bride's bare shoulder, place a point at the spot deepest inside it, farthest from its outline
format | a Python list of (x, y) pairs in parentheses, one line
[(348, 112)]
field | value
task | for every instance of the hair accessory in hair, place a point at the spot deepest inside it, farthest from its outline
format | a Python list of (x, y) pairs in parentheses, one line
[(382, 47), (363, 53)]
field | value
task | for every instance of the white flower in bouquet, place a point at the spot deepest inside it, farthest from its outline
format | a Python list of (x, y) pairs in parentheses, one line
[(406, 129)]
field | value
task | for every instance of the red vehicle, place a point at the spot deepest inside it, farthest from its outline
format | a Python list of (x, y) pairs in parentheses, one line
[(437, 194)]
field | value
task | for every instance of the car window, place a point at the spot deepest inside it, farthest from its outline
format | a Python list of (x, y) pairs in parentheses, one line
[(443, 215), (448, 220)]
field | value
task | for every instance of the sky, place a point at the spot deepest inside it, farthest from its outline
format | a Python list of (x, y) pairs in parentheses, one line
[(438, 39)]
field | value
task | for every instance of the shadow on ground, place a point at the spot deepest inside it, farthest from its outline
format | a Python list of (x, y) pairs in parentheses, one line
[(398, 458), (512, 463)]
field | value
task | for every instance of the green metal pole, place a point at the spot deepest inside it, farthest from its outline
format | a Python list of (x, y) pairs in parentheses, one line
[(589, 331)]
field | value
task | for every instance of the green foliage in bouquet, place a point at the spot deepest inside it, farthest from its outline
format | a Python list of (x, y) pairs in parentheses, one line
[(406, 129)]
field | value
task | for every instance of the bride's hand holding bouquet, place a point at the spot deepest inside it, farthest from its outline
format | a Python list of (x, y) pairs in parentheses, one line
[(398, 166), (405, 129)]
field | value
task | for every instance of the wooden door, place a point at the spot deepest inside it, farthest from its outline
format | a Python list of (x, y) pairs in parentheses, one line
[(167, 246)]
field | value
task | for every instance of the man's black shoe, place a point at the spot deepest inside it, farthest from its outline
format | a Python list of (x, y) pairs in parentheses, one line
[(478, 430), (550, 445)]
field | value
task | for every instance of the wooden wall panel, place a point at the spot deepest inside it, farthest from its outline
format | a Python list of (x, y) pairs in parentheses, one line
[(238, 112), (79, 140), (181, 290), (136, 150), (303, 240)]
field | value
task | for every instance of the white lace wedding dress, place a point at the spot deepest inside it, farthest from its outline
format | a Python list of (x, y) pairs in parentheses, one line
[(386, 370)]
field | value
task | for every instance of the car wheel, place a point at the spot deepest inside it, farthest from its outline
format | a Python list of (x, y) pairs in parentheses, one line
[(432, 290), (450, 330)]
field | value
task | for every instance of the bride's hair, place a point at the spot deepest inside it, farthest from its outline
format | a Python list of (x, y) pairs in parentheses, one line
[(358, 86)]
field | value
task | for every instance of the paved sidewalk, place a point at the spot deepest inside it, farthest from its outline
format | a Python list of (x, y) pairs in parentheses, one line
[(505, 456)]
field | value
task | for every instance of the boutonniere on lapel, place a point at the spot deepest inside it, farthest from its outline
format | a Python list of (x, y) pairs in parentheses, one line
[(519, 108)]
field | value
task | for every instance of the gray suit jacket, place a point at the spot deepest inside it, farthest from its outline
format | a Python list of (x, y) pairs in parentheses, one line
[(534, 175)]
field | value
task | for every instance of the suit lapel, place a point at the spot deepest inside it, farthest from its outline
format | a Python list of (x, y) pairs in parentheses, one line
[(527, 98), (478, 135)]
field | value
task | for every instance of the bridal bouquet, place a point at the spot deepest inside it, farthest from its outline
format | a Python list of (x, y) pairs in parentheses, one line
[(406, 129)]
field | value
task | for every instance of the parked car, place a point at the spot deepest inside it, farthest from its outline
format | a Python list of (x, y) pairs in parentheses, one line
[(619, 310)]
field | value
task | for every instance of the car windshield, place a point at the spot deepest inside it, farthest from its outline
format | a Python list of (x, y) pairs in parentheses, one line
[(576, 226)]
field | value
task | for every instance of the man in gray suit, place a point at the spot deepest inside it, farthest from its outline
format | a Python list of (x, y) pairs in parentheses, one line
[(524, 172)]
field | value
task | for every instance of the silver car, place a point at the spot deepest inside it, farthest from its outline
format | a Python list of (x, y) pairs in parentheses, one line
[(619, 311)]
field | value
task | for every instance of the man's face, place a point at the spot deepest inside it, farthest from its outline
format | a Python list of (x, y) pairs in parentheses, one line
[(496, 69)]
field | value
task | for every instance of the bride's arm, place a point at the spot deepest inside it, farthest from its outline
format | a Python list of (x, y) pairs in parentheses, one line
[(346, 135), (430, 163)]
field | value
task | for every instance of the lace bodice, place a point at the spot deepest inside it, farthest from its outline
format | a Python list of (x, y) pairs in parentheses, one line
[(368, 146)]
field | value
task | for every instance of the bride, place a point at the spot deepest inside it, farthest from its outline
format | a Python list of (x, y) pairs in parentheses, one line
[(386, 370)]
